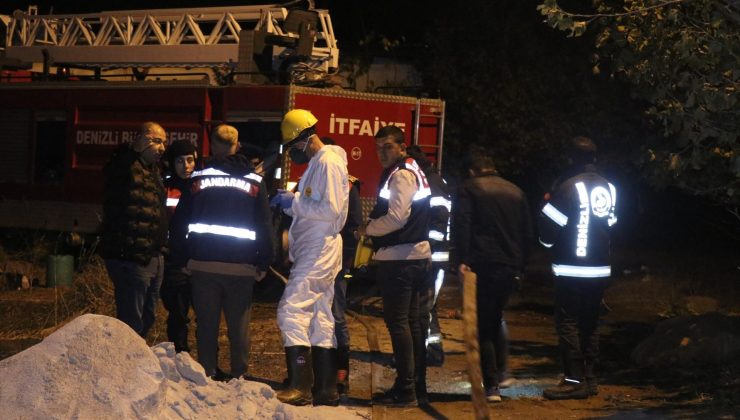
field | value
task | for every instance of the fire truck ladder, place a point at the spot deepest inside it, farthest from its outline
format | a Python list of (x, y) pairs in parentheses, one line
[(196, 37), (435, 120)]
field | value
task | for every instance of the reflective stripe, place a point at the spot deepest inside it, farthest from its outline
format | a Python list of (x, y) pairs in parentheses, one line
[(573, 381), (434, 339), (545, 244), (612, 215), (581, 271), (172, 202), (436, 235), (235, 232), (441, 256), (278, 173), (555, 215), (438, 283), (208, 172), (422, 193), (225, 182), (438, 201), (253, 176), (582, 193)]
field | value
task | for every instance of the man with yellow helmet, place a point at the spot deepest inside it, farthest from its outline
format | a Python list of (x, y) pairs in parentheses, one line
[(319, 211)]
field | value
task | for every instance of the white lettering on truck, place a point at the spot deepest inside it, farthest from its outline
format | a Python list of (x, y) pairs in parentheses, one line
[(358, 126)]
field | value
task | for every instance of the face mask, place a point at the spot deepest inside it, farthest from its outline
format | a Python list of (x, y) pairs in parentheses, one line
[(299, 156)]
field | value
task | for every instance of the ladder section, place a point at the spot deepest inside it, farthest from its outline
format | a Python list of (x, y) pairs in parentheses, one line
[(207, 36), (429, 130)]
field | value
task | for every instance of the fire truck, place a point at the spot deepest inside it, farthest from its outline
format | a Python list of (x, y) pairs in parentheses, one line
[(74, 87)]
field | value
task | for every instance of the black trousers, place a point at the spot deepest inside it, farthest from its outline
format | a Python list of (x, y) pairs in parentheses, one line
[(495, 285), (400, 283), (177, 299), (213, 293), (577, 304)]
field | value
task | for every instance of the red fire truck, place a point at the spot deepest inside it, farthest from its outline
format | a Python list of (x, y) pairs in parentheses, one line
[(62, 117)]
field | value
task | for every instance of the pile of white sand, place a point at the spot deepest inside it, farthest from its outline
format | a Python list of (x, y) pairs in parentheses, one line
[(96, 367)]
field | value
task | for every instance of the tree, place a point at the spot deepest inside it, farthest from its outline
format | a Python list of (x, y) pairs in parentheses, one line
[(682, 57)]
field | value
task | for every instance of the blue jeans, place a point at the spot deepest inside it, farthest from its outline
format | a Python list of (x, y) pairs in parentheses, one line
[(136, 290)]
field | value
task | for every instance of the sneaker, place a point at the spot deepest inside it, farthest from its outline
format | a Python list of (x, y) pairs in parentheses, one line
[(506, 383), (396, 398), (567, 390), (493, 394)]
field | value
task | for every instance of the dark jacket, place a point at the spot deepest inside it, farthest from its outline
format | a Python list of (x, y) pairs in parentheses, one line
[(134, 214), (416, 228), (229, 217), (354, 220), (575, 222), (439, 215), (491, 223), (178, 189)]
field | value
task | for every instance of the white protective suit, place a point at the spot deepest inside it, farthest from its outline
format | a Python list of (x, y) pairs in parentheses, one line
[(319, 211)]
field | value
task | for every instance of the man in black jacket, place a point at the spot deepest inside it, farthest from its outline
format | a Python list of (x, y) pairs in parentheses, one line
[(492, 230), (134, 226), (575, 223), (230, 247)]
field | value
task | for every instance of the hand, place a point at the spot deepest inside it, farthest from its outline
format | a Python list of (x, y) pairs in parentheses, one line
[(260, 275), (463, 268), (283, 199), (361, 231)]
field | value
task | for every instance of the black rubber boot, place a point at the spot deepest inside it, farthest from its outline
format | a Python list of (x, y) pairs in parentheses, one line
[(343, 370), (300, 376), (325, 374)]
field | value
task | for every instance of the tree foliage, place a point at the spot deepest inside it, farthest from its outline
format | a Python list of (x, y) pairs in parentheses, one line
[(682, 57)]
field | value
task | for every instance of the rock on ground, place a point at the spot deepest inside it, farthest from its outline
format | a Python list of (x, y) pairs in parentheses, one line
[(690, 341), (97, 367)]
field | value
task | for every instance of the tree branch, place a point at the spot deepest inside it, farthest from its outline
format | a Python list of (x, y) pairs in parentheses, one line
[(632, 12)]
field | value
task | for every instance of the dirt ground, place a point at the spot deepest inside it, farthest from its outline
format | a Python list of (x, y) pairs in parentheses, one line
[(638, 297)]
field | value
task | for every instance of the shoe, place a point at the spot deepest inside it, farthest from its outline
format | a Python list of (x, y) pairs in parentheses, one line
[(343, 370), (493, 394), (396, 398), (506, 383), (221, 376), (422, 398), (300, 376), (342, 382), (567, 389), (325, 376)]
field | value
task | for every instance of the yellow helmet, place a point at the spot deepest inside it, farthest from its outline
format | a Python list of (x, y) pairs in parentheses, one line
[(294, 122)]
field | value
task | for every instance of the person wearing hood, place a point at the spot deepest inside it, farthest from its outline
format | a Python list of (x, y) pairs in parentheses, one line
[(319, 211), (134, 227), (575, 224), (229, 243), (175, 292)]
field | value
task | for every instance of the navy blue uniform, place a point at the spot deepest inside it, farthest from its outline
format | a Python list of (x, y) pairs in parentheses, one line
[(575, 224)]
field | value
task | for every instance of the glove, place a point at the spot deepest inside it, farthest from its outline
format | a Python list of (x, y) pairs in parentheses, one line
[(283, 199)]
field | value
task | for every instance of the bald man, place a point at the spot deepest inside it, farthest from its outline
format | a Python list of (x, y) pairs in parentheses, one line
[(135, 226)]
